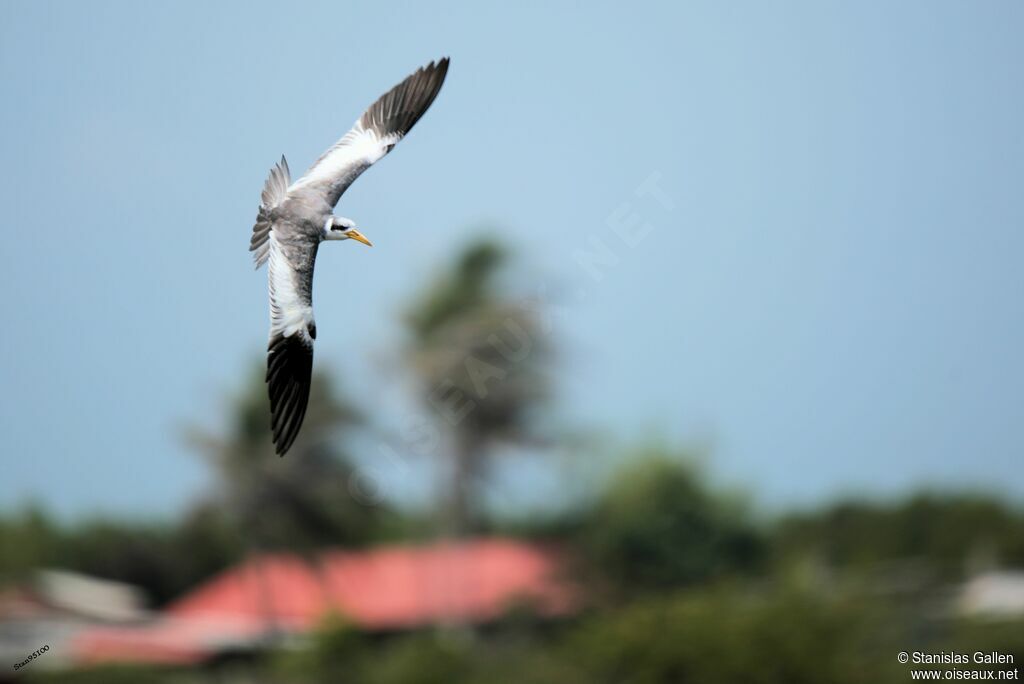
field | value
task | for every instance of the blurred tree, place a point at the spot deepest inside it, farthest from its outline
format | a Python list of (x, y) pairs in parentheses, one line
[(300, 502), (659, 526), (339, 652), (481, 359), (949, 535), (727, 634), (114, 674), (163, 559), (27, 541)]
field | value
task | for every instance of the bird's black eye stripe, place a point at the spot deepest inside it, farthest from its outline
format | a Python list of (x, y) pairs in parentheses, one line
[(387, 148)]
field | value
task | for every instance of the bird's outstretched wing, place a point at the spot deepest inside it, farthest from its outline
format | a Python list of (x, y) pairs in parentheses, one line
[(375, 133), (292, 331)]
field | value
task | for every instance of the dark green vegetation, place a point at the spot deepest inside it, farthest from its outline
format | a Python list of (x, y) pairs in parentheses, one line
[(683, 586), (697, 592), (683, 582)]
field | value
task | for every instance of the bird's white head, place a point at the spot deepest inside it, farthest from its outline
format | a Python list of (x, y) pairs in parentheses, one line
[(341, 228)]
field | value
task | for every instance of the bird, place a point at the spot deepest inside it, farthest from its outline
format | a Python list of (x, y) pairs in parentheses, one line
[(294, 218)]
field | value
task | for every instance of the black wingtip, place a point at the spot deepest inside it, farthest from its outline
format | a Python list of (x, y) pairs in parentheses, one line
[(398, 110), (440, 66), (289, 369)]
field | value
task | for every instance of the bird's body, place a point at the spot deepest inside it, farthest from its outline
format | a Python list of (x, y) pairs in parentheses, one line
[(294, 218)]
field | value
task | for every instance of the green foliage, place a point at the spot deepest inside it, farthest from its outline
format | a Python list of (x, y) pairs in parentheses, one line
[(969, 636), (28, 541), (951, 535), (717, 634), (340, 654), (421, 660), (163, 559), (333, 654), (116, 675), (658, 526), (724, 635)]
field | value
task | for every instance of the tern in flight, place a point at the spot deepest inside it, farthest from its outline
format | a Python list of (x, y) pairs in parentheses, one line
[(294, 218)]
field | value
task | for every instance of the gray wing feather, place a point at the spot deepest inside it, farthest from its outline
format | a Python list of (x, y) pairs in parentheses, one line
[(274, 191)]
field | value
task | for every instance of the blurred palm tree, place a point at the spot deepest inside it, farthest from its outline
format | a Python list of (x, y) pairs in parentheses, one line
[(481, 360)]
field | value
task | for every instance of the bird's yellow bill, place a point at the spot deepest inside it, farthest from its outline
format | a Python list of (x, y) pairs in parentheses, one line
[(356, 235)]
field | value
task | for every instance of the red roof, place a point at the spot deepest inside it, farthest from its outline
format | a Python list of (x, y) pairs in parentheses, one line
[(396, 587)]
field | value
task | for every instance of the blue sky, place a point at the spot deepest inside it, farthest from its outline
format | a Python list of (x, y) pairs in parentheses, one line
[(832, 300)]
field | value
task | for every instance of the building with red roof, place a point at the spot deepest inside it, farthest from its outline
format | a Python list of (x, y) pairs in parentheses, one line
[(390, 588)]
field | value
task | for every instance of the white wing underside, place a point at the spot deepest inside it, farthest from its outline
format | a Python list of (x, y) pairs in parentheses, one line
[(289, 312), (354, 153)]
